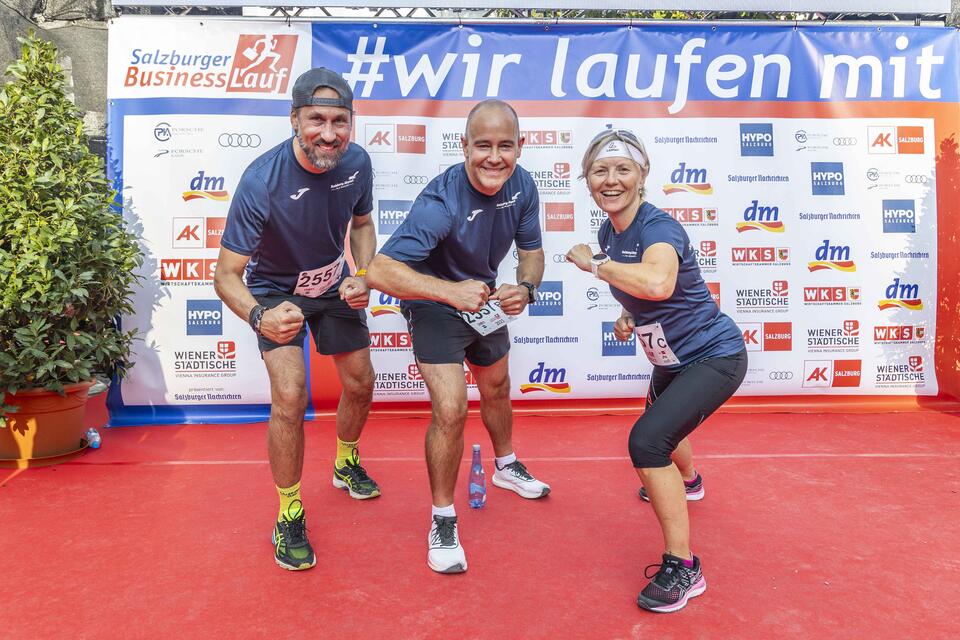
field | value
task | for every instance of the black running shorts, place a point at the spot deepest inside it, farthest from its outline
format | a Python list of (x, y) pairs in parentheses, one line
[(441, 336), (336, 328)]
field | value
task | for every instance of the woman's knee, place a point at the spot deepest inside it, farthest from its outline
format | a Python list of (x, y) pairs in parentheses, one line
[(648, 449)]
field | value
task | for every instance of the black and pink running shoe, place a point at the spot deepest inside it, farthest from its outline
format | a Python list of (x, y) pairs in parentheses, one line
[(694, 489), (672, 586)]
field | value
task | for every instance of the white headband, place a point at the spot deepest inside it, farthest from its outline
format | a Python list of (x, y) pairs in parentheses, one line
[(618, 149)]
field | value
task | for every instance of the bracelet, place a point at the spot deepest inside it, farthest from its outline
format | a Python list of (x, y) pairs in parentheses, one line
[(360, 273), (256, 315)]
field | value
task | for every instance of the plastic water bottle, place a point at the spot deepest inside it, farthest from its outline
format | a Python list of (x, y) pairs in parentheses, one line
[(93, 438), (478, 481)]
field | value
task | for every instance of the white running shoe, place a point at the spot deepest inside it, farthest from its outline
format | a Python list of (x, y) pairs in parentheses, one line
[(515, 477), (445, 555)]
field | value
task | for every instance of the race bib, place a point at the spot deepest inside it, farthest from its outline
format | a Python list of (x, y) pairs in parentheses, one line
[(315, 282), (488, 319), (655, 345)]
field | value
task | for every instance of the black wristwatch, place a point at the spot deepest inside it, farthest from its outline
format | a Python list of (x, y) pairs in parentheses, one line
[(256, 315), (531, 291)]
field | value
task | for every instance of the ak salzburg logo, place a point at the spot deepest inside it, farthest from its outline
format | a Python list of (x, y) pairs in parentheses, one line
[(262, 63)]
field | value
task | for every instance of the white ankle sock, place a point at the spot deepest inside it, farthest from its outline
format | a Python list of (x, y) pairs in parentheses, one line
[(446, 512), (505, 460)]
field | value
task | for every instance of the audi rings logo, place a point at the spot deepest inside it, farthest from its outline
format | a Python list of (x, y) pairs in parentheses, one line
[(915, 179), (408, 179), (559, 258), (239, 140), (781, 375), (844, 142)]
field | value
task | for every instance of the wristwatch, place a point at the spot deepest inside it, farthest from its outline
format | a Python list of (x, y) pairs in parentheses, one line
[(531, 291), (597, 260), (256, 316)]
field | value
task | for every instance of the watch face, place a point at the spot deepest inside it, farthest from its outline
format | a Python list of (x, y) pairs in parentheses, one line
[(599, 256)]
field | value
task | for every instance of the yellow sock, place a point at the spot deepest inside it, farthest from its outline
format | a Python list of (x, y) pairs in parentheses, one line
[(346, 451), (290, 505)]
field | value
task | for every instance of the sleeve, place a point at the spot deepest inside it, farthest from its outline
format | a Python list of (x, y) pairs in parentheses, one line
[(528, 235), (247, 216), (365, 204), (663, 228), (427, 224)]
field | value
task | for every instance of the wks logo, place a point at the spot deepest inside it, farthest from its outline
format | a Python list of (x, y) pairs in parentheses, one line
[(901, 296), (690, 180), (899, 216), (758, 216), (386, 305), (261, 64), (828, 256), (831, 373), (395, 138), (827, 178), (543, 378), (207, 187), (612, 346), (756, 139), (549, 299), (204, 318), (392, 213)]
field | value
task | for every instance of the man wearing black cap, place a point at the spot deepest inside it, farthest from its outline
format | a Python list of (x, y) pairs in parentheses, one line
[(286, 230)]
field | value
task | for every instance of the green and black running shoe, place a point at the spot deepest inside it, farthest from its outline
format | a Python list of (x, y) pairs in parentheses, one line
[(353, 477), (292, 549)]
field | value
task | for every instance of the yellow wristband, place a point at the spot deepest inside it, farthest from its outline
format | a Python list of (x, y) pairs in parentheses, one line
[(361, 272)]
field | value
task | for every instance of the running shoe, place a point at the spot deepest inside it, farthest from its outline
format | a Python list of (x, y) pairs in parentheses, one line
[(672, 586), (292, 550), (515, 477), (694, 490), (444, 553), (353, 477)]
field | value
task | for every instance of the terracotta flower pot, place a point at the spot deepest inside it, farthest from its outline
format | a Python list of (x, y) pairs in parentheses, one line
[(45, 425)]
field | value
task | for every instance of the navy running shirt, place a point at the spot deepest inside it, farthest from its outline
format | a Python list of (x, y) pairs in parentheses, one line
[(692, 323), (290, 220), (456, 233)]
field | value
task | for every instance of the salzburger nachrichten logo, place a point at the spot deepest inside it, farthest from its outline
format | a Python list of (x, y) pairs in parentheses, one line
[(687, 180), (836, 257), (762, 217), (901, 296), (546, 379), (261, 64)]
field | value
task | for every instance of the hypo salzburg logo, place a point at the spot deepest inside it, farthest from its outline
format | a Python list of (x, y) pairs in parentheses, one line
[(901, 295), (387, 305), (558, 216), (204, 318), (262, 63), (827, 178), (899, 216), (392, 213), (767, 336), (831, 373), (545, 379), (835, 257), (612, 346), (756, 139), (396, 138), (198, 233), (758, 216), (690, 180), (208, 187), (549, 299), (890, 140)]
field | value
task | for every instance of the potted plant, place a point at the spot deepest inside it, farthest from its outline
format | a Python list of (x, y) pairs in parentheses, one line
[(66, 262)]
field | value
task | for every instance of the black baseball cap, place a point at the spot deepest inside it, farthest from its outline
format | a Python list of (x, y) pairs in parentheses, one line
[(311, 80)]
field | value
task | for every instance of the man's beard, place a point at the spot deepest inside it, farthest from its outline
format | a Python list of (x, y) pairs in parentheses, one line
[(324, 163)]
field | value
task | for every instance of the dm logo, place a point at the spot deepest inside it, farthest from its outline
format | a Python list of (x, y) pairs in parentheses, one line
[(901, 295), (826, 178), (612, 346), (387, 304), (545, 379), (689, 180), (758, 216), (828, 256), (392, 214), (899, 216), (204, 186), (204, 318), (756, 139), (549, 299)]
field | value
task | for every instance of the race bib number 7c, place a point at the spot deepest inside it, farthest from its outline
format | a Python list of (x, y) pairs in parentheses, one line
[(654, 343), (488, 319), (315, 282)]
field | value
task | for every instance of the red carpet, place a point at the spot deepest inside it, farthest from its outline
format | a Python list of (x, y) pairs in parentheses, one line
[(812, 526)]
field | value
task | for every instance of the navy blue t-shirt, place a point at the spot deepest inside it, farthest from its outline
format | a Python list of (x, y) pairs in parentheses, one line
[(290, 220), (456, 233), (692, 323)]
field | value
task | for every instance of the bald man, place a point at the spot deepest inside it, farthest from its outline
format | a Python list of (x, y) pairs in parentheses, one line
[(442, 264)]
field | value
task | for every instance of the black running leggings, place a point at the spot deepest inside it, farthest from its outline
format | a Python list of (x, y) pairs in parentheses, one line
[(678, 402)]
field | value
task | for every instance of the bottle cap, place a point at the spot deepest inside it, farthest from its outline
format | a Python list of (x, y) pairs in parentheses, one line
[(476, 447)]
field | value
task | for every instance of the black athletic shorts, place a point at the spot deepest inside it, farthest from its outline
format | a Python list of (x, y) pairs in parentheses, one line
[(336, 328), (441, 336)]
